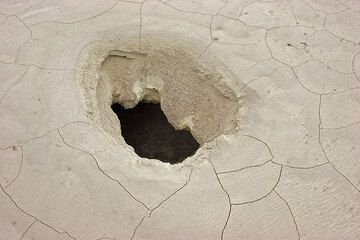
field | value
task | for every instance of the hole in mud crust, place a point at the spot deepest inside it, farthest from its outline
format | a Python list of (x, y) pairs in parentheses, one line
[(146, 128), (200, 95)]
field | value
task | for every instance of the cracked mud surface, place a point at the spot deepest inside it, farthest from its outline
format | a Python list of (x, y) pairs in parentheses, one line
[(288, 169)]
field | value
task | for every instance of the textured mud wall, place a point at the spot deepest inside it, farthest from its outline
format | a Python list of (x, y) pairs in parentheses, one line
[(192, 95)]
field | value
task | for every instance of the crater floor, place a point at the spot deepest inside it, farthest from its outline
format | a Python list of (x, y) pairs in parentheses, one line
[(286, 165)]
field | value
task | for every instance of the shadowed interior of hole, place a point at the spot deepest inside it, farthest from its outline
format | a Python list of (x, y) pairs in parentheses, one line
[(146, 128)]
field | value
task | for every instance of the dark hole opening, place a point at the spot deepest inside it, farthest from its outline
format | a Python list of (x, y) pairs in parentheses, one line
[(146, 128)]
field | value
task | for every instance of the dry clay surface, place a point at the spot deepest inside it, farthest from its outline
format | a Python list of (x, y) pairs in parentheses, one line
[(287, 72)]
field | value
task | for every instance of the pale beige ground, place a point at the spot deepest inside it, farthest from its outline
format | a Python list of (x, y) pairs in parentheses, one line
[(280, 158)]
